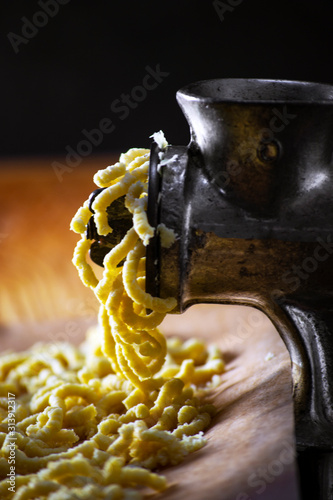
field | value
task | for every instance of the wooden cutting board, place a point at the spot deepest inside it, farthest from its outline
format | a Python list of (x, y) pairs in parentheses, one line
[(250, 445)]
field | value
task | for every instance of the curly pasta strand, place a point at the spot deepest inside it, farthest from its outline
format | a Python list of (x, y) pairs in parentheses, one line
[(81, 219), (135, 291), (110, 175), (136, 321), (134, 157), (107, 197), (86, 273), (111, 261)]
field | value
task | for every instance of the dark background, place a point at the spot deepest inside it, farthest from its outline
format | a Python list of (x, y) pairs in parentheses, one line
[(66, 76)]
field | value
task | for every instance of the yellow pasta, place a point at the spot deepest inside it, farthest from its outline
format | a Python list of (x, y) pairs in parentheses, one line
[(95, 421), (80, 221)]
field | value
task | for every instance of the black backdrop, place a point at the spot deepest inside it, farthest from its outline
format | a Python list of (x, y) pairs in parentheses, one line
[(64, 63)]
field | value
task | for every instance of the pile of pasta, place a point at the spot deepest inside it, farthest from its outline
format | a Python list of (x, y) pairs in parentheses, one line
[(101, 419)]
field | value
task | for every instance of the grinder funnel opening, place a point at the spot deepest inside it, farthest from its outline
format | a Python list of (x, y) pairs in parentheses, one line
[(257, 90), (260, 141)]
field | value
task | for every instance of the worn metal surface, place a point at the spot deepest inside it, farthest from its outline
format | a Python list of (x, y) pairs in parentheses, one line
[(251, 201)]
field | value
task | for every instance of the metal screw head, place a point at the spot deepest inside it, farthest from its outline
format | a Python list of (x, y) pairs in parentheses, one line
[(268, 150)]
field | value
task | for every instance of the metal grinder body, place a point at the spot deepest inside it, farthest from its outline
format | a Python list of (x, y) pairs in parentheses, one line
[(250, 199)]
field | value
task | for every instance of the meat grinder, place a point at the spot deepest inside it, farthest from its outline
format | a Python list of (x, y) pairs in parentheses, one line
[(251, 202), (250, 199)]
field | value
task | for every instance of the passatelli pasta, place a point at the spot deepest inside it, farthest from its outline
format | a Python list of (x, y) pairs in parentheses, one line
[(99, 420)]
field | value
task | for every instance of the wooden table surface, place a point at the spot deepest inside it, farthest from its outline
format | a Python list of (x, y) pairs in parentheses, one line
[(250, 451)]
